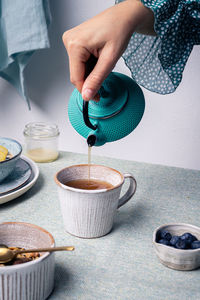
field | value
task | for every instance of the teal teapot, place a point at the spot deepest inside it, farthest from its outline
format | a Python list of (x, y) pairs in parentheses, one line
[(117, 114)]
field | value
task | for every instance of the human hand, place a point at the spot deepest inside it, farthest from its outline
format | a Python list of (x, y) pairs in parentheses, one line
[(105, 38)]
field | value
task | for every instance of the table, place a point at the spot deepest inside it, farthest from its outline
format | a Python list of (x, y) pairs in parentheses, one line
[(121, 265)]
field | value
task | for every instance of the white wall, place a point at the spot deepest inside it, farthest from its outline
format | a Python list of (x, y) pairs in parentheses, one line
[(168, 134)]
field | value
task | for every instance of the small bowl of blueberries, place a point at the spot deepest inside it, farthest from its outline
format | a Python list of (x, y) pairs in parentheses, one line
[(178, 246)]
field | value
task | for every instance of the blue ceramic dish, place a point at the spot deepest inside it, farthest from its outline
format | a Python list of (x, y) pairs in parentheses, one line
[(15, 149)]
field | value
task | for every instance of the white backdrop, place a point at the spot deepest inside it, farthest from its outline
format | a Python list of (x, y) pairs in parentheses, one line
[(168, 134)]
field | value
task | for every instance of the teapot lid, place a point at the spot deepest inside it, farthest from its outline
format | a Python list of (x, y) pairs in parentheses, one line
[(113, 95)]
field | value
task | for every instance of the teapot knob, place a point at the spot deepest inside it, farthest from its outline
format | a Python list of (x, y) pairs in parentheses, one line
[(102, 92)]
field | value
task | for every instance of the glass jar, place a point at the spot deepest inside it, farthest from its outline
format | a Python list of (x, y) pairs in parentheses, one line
[(41, 141)]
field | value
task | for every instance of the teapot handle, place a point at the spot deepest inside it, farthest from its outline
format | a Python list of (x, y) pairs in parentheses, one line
[(86, 117)]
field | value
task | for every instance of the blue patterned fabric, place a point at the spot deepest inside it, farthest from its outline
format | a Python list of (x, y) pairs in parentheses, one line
[(157, 62), (23, 29)]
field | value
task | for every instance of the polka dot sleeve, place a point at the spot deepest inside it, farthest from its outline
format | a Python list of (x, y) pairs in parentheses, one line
[(157, 62)]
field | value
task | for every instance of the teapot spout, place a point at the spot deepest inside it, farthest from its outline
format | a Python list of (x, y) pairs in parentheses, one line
[(91, 140)]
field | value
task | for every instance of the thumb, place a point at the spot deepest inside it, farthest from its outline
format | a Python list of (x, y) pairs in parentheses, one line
[(94, 80)]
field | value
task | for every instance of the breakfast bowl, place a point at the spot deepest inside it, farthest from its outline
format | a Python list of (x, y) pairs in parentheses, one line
[(185, 257), (29, 280), (14, 151)]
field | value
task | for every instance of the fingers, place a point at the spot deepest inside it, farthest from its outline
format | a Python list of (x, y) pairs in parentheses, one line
[(94, 80), (78, 56), (87, 73), (77, 71)]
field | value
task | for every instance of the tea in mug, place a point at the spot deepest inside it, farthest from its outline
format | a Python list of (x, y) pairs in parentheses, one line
[(91, 184)]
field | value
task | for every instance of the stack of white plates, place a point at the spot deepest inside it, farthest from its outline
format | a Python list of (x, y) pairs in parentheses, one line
[(20, 180)]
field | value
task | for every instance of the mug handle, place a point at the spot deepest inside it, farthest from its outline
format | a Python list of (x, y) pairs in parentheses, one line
[(131, 190)]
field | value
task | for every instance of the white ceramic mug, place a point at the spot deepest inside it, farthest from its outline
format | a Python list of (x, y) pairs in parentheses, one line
[(90, 213)]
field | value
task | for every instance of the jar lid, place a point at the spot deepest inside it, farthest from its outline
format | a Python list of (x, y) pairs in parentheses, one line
[(40, 130)]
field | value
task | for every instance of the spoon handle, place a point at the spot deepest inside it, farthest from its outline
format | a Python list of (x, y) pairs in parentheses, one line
[(64, 248)]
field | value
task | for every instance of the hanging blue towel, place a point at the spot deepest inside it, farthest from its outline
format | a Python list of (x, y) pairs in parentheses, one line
[(23, 29)]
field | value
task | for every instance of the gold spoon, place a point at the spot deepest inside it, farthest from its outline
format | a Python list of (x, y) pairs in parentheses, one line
[(7, 254)]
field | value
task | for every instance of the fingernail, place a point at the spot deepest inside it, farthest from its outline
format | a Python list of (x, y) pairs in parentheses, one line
[(87, 94)]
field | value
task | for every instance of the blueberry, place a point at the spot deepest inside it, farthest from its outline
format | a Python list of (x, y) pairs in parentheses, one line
[(166, 235), (164, 242), (195, 245), (181, 244), (189, 238), (174, 240)]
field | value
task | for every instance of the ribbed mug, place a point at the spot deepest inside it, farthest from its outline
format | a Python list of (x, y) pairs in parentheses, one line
[(90, 213)]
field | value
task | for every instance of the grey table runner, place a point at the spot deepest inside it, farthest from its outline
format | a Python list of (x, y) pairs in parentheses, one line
[(121, 265)]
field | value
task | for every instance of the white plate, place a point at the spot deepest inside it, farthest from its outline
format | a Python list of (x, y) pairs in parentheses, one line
[(21, 190)]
